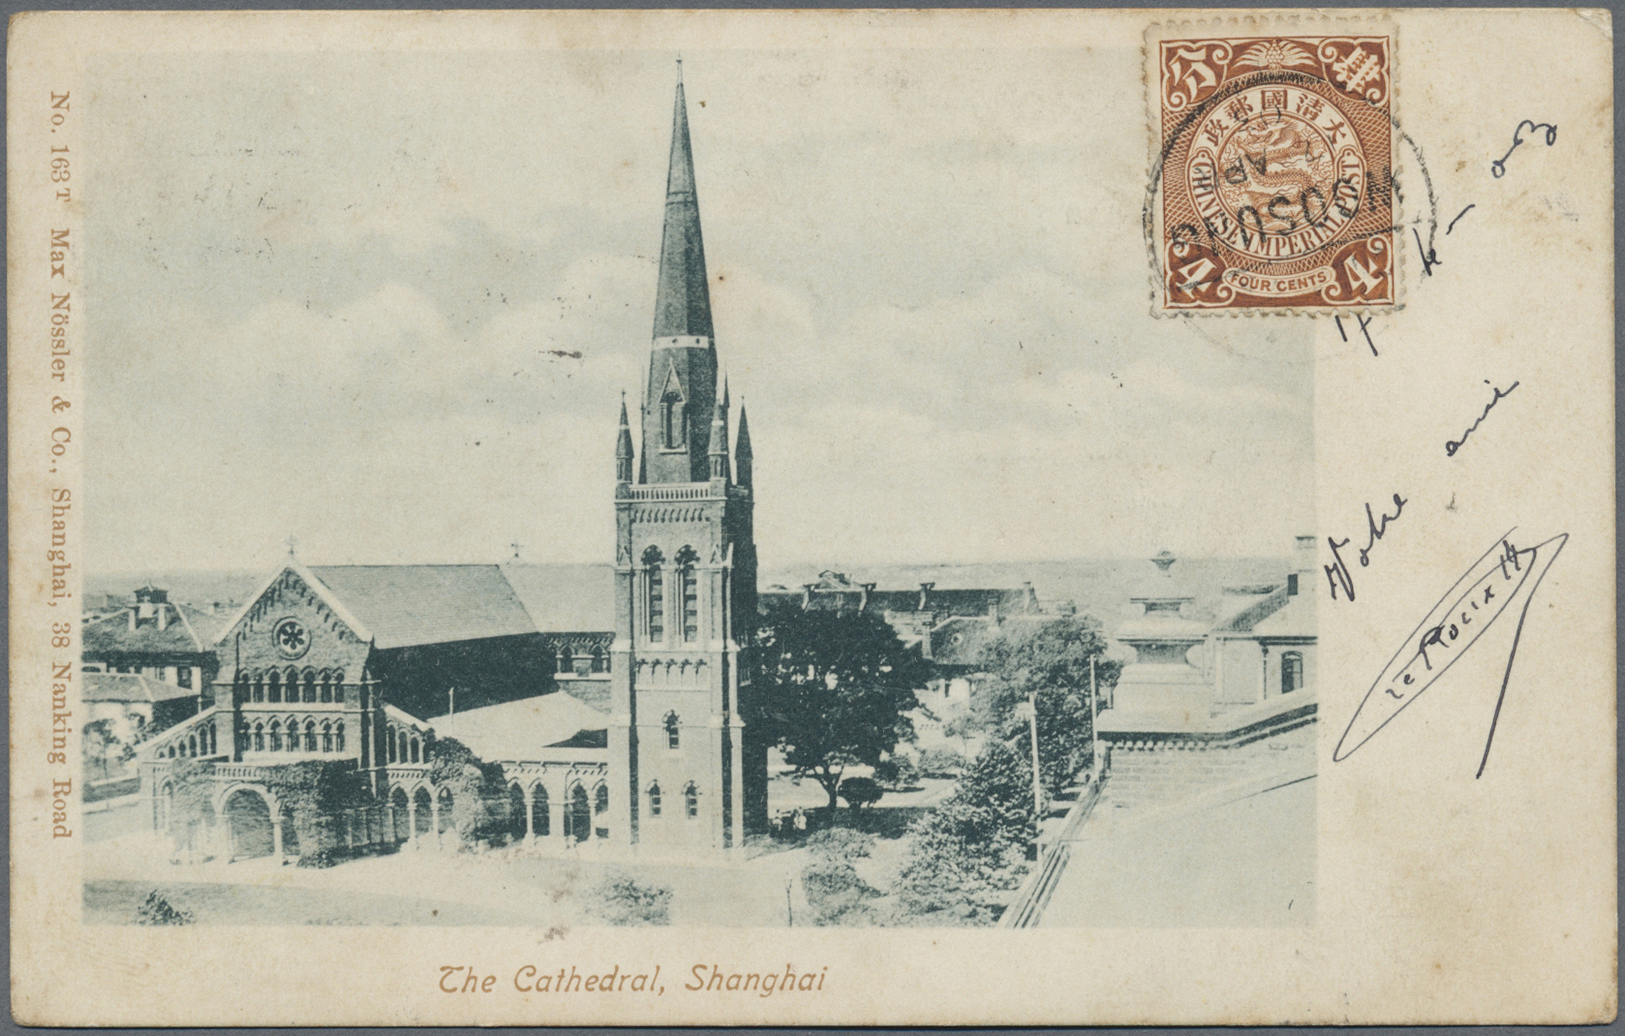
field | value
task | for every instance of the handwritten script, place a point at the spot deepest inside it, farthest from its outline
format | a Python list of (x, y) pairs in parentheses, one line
[(1503, 576), (1337, 573), (1451, 446), (1498, 168)]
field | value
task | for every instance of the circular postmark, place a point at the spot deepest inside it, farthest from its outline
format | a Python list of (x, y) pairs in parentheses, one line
[(1274, 186)]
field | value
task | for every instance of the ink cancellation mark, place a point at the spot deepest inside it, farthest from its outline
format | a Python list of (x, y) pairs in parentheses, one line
[(1276, 173)]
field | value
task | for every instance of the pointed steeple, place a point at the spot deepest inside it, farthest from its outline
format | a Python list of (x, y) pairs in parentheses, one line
[(682, 300), (682, 385), (742, 454), (623, 447), (718, 453)]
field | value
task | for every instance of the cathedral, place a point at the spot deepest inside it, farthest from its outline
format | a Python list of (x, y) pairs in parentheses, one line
[(635, 735)]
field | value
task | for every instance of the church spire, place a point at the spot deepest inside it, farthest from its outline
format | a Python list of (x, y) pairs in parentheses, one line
[(718, 452), (682, 388), (682, 300), (742, 454), (623, 447)]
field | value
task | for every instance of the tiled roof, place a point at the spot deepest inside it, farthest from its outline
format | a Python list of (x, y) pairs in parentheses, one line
[(1295, 619), (188, 631), (130, 687), (566, 598), (521, 731), (407, 605)]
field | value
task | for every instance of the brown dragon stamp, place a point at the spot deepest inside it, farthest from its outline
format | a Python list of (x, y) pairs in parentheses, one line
[(1275, 167)]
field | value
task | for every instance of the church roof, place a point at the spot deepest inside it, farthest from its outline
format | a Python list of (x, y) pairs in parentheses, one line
[(682, 300), (518, 731), (566, 598), (407, 605)]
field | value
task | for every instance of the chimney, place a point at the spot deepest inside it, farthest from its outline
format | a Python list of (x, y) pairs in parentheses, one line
[(925, 596), (1030, 596), (1303, 562), (863, 600), (806, 595), (163, 617), (134, 608)]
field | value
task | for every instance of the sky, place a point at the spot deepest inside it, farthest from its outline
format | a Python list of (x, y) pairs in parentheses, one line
[(387, 304)]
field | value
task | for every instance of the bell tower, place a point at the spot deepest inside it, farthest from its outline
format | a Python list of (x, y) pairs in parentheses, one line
[(685, 771)]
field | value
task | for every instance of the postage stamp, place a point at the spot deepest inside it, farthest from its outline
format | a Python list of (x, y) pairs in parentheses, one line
[(1276, 172)]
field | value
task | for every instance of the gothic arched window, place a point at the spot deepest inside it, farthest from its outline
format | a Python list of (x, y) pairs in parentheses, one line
[(274, 687), (338, 737), (402, 746), (1291, 672), (259, 737), (276, 736), (310, 685), (673, 421), (413, 746), (293, 734), (389, 740), (654, 799), (690, 588), (691, 801), (673, 730), (310, 735), (652, 561), (327, 737)]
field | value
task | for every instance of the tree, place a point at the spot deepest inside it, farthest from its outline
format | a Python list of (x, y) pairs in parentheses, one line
[(966, 854), (1052, 664), (479, 790), (860, 791), (837, 687)]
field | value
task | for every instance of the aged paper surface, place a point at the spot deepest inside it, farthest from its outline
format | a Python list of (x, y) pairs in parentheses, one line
[(409, 626)]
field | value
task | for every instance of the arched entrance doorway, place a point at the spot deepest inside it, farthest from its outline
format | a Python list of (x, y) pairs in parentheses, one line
[(577, 816), (540, 825), (403, 820), (424, 809), (516, 812), (248, 821)]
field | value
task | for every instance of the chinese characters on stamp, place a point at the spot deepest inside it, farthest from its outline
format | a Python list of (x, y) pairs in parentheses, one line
[(1275, 173)]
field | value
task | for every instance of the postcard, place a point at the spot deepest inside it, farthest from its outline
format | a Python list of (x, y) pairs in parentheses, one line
[(811, 518)]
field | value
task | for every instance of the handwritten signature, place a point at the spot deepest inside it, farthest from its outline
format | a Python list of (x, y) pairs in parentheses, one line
[(1495, 582), (1452, 445), (1338, 574), (1498, 168)]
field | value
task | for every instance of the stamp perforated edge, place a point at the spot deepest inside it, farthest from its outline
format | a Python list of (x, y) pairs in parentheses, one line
[(1263, 24)]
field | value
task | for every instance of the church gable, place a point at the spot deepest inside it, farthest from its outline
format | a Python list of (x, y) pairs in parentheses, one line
[(291, 623)]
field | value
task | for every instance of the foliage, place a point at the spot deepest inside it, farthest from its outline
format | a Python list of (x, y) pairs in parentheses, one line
[(840, 843), (896, 773), (941, 762), (479, 791), (157, 911), (836, 690), (860, 791), (620, 899), (965, 855), (1052, 664), (836, 894)]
